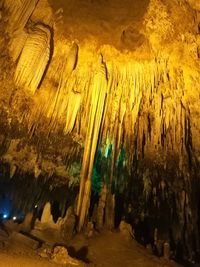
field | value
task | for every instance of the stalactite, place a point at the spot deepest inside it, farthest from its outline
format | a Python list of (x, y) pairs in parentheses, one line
[(121, 118), (70, 64), (127, 90), (60, 103), (34, 58), (95, 117), (17, 43), (13, 169), (72, 110), (20, 12)]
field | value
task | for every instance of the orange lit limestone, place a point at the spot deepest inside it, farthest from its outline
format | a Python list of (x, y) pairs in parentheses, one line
[(143, 96), (34, 58), (99, 89)]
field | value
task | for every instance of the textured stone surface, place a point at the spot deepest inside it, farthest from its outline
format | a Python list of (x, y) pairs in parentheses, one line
[(126, 230), (194, 4), (60, 256), (119, 77), (26, 225), (24, 240), (47, 218)]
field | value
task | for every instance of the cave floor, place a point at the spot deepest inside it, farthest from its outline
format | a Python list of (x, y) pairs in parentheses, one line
[(106, 249), (12, 259), (113, 249)]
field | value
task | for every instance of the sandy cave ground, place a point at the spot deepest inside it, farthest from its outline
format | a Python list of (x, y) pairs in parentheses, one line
[(105, 250)]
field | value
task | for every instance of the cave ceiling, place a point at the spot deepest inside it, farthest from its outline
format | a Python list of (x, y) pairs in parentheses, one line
[(78, 74)]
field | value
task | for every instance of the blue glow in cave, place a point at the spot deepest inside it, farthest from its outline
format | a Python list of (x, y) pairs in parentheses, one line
[(5, 207)]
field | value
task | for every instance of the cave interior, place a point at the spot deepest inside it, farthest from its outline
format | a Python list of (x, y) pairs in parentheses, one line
[(100, 119)]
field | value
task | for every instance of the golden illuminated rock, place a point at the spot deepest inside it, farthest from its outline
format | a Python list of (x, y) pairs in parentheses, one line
[(89, 73)]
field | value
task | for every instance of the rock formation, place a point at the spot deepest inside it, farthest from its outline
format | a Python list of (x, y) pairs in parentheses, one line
[(119, 77)]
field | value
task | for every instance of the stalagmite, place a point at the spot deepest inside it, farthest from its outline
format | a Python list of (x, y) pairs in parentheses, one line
[(101, 208), (47, 218), (110, 211), (26, 225)]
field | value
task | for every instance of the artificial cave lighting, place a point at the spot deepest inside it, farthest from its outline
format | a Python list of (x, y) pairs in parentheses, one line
[(100, 121)]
